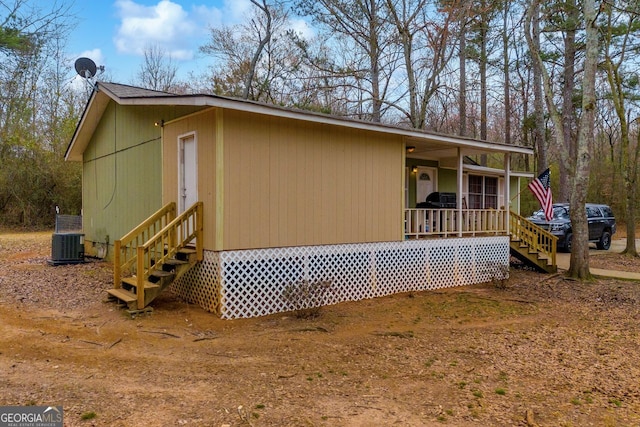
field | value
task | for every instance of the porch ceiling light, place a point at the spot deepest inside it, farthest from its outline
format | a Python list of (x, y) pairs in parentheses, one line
[(414, 169), (411, 149)]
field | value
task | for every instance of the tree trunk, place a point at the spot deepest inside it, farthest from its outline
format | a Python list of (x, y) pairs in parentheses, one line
[(374, 55), (463, 76), (632, 194), (406, 39), (579, 163), (506, 72), (631, 249), (614, 59), (568, 85), (538, 99), (484, 29), (579, 267), (258, 52)]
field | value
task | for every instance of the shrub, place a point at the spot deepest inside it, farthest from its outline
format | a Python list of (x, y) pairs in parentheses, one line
[(306, 298)]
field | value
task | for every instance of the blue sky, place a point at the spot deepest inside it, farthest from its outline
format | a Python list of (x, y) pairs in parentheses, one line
[(114, 33)]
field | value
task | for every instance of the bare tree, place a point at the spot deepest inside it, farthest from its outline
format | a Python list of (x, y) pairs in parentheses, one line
[(263, 39), (361, 31), (158, 71), (579, 182), (621, 40), (574, 153), (427, 48), (540, 141), (462, 62), (506, 71), (253, 56)]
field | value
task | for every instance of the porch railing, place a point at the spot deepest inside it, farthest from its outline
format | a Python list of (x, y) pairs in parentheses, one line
[(420, 223)]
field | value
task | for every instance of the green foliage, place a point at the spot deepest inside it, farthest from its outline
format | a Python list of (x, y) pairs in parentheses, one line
[(13, 40), (616, 402), (88, 415), (35, 178), (38, 114)]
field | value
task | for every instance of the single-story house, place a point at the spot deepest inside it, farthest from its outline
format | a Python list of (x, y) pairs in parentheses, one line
[(289, 196)]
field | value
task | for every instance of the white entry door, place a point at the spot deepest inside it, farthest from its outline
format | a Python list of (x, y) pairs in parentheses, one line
[(187, 172), (425, 183)]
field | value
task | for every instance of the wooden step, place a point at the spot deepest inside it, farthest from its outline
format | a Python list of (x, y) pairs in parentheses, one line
[(186, 254), (175, 262), (187, 250), (161, 273), (536, 260), (122, 295), (133, 281)]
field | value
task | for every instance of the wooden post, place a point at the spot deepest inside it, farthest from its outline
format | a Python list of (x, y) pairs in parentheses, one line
[(199, 232), (507, 186), (117, 266), (172, 232), (459, 180), (140, 277)]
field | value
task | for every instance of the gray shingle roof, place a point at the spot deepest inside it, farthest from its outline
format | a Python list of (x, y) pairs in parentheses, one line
[(126, 91)]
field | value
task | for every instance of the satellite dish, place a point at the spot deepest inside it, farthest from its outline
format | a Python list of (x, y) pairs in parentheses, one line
[(85, 67)]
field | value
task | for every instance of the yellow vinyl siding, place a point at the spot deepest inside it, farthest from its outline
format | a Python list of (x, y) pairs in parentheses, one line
[(289, 183)]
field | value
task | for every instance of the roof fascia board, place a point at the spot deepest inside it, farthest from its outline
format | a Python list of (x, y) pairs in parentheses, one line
[(95, 108), (484, 170), (493, 171), (522, 174), (205, 100), (260, 109), (251, 107)]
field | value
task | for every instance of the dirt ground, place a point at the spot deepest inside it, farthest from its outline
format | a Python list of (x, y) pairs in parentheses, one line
[(544, 351)]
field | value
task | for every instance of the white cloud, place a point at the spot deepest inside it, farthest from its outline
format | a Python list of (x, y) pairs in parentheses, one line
[(207, 17), (165, 24), (302, 28), (236, 11), (179, 30)]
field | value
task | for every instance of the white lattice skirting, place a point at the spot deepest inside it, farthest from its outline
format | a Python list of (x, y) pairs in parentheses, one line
[(250, 283)]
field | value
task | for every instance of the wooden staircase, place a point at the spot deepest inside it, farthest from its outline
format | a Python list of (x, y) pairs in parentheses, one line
[(155, 254), (532, 245)]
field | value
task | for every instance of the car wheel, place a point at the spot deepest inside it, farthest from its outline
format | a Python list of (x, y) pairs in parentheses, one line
[(567, 242), (605, 241)]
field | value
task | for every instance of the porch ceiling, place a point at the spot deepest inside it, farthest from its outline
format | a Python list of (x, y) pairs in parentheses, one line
[(429, 149)]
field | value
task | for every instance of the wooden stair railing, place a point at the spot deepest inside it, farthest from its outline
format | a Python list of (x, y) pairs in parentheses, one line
[(534, 243), (147, 258), (125, 249)]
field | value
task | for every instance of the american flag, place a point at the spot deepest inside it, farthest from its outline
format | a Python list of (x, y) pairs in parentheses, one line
[(541, 188)]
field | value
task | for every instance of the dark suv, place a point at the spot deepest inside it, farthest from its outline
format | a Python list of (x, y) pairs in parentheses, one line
[(602, 224)]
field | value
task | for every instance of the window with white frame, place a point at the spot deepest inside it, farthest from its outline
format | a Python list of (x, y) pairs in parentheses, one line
[(483, 192)]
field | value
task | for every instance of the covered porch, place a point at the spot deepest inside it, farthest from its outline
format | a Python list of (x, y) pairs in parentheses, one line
[(477, 178)]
